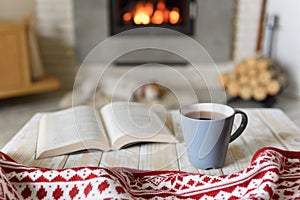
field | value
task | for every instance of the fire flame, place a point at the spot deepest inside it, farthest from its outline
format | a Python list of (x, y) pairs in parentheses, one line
[(146, 13)]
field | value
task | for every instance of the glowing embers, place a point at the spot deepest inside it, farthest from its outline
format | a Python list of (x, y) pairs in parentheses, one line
[(146, 12)]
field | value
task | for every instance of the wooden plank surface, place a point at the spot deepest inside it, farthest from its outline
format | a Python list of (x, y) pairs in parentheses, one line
[(90, 158), (266, 127), (157, 156), (128, 157), (282, 127)]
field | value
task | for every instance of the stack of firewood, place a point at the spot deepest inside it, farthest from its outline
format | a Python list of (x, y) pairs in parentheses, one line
[(254, 78)]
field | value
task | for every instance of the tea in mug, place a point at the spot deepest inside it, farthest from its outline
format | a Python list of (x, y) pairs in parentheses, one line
[(202, 115)]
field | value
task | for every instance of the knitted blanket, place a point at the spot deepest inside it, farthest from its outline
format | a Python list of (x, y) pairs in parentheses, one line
[(272, 174)]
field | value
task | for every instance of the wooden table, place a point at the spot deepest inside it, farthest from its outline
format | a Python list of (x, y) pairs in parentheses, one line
[(266, 127)]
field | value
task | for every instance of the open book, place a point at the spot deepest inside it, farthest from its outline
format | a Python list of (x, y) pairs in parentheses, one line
[(112, 127)]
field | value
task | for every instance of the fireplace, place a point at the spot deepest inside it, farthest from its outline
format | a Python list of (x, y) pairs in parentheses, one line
[(171, 14), (208, 22)]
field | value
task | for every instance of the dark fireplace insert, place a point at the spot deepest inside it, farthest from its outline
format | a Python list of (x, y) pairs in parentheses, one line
[(171, 14)]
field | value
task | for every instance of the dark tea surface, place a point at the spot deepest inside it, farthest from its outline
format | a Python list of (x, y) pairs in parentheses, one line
[(201, 115)]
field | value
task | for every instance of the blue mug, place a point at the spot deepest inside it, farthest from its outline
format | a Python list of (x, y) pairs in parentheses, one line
[(207, 133)]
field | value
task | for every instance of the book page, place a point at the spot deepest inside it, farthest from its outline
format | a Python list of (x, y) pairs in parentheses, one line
[(128, 122), (78, 126)]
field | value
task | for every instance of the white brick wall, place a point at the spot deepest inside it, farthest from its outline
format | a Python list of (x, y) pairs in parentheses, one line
[(248, 16), (55, 29)]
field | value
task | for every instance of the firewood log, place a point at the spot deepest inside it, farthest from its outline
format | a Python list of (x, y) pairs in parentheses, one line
[(243, 80), (252, 72), (255, 77), (265, 77), (245, 92), (251, 61), (259, 93), (241, 68), (273, 87), (253, 82), (276, 84), (263, 64)]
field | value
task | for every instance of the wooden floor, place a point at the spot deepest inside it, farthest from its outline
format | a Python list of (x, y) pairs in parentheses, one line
[(15, 112)]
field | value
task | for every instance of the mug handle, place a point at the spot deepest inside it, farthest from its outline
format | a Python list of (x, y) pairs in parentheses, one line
[(242, 126)]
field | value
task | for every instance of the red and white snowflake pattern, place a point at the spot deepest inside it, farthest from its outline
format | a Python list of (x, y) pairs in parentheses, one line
[(272, 174)]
